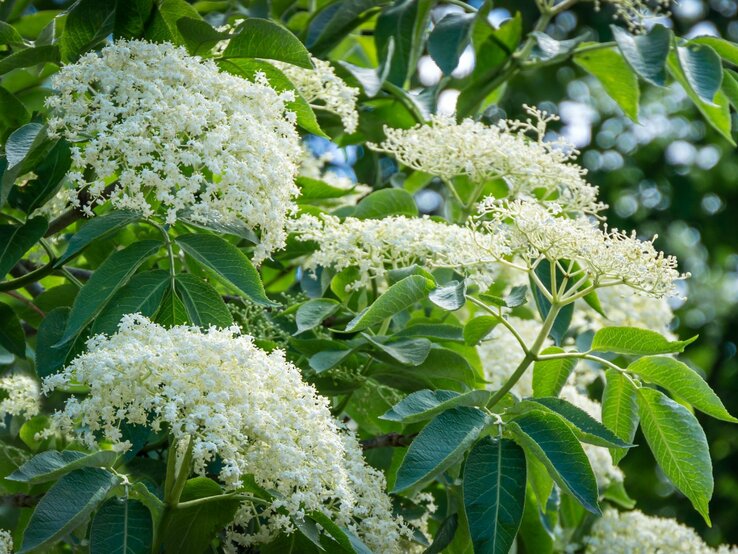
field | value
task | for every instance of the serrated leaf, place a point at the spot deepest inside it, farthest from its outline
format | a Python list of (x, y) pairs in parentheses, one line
[(449, 38), (382, 203), (12, 337), (112, 274), (634, 341), (228, 262), (616, 76), (679, 445), (494, 494), (203, 304), (398, 297), (66, 506), (261, 38), (553, 443), (450, 296), (16, 240), (121, 526), (97, 228), (52, 464), (681, 380), (478, 328), (646, 53), (312, 313), (439, 445), (619, 410), (425, 404), (550, 376)]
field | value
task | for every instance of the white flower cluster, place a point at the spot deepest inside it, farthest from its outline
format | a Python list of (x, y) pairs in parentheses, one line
[(172, 131), (636, 533), (605, 471), (635, 12), (21, 396), (235, 401), (6, 542), (530, 165), (376, 245), (323, 89), (610, 257), (501, 354)]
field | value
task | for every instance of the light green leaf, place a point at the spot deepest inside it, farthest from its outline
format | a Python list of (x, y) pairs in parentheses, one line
[(647, 53), (439, 445), (312, 313), (681, 380), (630, 340), (261, 38), (97, 228), (12, 337), (730, 87), (16, 240), (425, 404), (449, 38), (478, 328), (52, 464), (553, 443), (13, 113), (550, 376), (398, 297), (9, 35), (494, 494), (325, 360), (724, 48), (679, 445), (620, 410), (88, 23), (203, 304), (66, 506), (228, 262), (314, 189), (450, 297), (382, 203), (114, 272), (616, 76), (121, 526)]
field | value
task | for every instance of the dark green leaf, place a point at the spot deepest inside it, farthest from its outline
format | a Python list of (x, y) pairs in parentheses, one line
[(681, 380), (88, 23), (405, 22), (9, 35), (553, 443), (24, 150), (312, 313), (406, 351), (517, 297), (451, 296), (630, 340), (679, 445), (647, 53), (49, 359), (448, 40), (323, 361), (494, 494), (620, 410), (702, 69), (724, 48), (121, 526), (114, 272), (550, 376), (386, 202), (199, 36), (335, 20), (425, 404), (97, 228), (398, 297), (13, 113), (67, 505), (548, 48), (162, 26), (49, 176), (130, 21), (16, 240), (479, 327), (261, 38), (439, 445), (203, 304), (616, 76), (52, 464), (228, 262), (29, 57), (172, 311), (12, 337), (444, 535)]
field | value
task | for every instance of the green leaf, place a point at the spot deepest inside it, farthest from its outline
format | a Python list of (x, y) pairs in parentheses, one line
[(190, 530), (630, 340), (425, 404), (448, 40), (702, 69), (730, 87), (553, 443), (478, 328), (405, 22), (681, 380), (228, 262), (315, 189), (13, 113), (131, 21), (620, 410), (411, 352), (679, 445), (88, 23), (585, 427), (444, 535), (716, 112), (49, 176), (67, 505), (199, 36), (334, 21), (616, 76), (724, 48), (49, 360), (16, 240), (333, 530), (450, 297), (550, 376), (203, 304), (382, 203), (494, 494), (29, 57), (548, 48), (52, 464), (121, 526), (442, 369), (9, 35), (647, 53), (439, 445), (114, 272), (398, 297), (172, 311), (327, 359), (261, 38), (563, 319), (12, 337), (142, 295), (97, 228), (162, 25), (312, 313)]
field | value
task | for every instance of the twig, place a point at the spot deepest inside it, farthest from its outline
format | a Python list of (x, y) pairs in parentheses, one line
[(76, 213)]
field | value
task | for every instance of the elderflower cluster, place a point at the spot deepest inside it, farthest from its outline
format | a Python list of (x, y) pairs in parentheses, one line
[(20, 396), (599, 458), (376, 245), (635, 12), (515, 151), (231, 400), (6, 542), (323, 89), (609, 256), (161, 129), (636, 533), (501, 353)]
